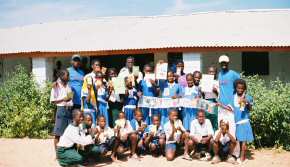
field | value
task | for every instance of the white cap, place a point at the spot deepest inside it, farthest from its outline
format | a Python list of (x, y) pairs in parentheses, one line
[(224, 58)]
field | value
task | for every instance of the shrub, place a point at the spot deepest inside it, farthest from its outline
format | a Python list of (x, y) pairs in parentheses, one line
[(24, 107), (270, 117)]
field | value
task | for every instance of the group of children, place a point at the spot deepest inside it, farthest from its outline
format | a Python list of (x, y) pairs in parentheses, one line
[(110, 121)]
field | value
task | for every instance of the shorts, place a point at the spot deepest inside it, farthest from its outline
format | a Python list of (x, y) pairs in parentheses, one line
[(224, 150), (170, 146)]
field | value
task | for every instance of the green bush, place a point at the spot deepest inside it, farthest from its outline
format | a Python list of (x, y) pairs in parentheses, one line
[(270, 117), (24, 108)]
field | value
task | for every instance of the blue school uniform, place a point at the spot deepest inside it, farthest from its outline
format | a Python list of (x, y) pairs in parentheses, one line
[(189, 114), (160, 132), (130, 104), (244, 131), (150, 91), (103, 104), (76, 77), (135, 126), (226, 84), (167, 91)]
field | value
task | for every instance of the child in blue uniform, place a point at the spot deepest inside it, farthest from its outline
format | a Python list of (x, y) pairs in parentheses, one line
[(102, 97), (242, 104), (170, 89), (148, 87), (155, 137), (131, 99), (191, 92), (139, 127)]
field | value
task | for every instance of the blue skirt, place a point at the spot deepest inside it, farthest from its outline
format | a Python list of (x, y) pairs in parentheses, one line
[(129, 113), (146, 114), (103, 110), (164, 115), (188, 114), (244, 132)]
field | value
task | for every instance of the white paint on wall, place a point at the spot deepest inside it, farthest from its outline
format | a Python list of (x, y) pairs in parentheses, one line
[(192, 62), (42, 70)]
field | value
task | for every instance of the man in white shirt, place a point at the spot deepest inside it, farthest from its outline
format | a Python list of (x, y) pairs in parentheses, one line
[(128, 70), (66, 153), (201, 133), (224, 144)]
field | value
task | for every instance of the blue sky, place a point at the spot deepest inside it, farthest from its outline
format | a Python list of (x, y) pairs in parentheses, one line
[(24, 12)]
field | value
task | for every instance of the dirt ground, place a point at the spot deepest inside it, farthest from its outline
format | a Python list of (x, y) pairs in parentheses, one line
[(37, 152)]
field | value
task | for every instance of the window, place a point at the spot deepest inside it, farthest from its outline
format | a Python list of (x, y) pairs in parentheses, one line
[(173, 58), (255, 63)]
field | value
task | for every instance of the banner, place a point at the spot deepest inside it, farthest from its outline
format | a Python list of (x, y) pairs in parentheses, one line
[(155, 102)]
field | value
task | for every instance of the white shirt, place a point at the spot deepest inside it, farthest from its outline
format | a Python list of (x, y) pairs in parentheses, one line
[(125, 130), (59, 92), (72, 135), (108, 133), (223, 139), (197, 130), (124, 72), (168, 131)]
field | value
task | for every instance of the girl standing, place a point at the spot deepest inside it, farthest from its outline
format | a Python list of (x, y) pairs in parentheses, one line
[(242, 104), (61, 95)]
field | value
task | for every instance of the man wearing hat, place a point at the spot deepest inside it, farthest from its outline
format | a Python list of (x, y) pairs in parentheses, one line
[(76, 76), (226, 79)]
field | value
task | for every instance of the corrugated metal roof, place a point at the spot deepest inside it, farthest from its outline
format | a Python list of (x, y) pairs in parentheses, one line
[(257, 28)]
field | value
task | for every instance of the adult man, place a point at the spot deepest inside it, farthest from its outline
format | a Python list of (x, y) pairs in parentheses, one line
[(226, 79), (76, 76), (128, 70)]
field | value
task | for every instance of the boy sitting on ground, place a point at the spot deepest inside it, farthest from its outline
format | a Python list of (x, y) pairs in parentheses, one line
[(125, 133), (155, 137), (224, 144), (201, 133)]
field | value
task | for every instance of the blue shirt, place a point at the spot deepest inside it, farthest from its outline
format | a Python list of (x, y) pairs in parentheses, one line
[(241, 114), (191, 92), (147, 91), (132, 98), (169, 90), (76, 79), (226, 84)]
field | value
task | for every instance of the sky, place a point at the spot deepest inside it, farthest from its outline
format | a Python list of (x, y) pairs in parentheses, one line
[(14, 13)]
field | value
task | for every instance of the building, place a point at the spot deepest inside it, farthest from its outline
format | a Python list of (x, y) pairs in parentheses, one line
[(257, 42)]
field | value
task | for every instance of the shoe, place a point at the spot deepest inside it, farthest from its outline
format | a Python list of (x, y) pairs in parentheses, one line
[(207, 156), (239, 161), (215, 160), (187, 157)]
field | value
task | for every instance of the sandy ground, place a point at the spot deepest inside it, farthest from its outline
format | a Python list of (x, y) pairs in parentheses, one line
[(37, 152)]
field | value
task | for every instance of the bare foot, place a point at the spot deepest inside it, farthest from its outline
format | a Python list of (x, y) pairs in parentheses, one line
[(114, 159), (135, 156)]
